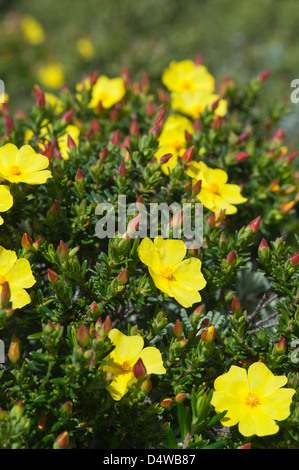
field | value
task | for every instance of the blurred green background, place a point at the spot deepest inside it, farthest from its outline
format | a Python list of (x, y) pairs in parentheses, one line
[(238, 39)]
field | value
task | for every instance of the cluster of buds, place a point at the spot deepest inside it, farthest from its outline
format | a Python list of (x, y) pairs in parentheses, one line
[(29, 245)]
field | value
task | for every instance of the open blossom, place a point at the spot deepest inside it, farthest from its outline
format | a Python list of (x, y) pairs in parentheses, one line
[(178, 278), (172, 140), (18, 274), (193, 103), (51, 75), (216, 193), (121, 361), (254, 399), (23, 165), (107, 91), (187, 75), (32, 30), (6, 200)]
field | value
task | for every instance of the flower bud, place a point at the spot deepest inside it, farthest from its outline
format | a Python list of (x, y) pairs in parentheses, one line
[(242, 156), (180, 397), (103, 154), (245, 446), (121, 170), (68, 115), (82, 335), (133, 225), (107, 325), (115, 138), (193, 250), (63, 250), (165, 158), (286, 207), (26, 242), (14, 349), (209, 334), (231, 258), (62, 441), (188, 154), (167, 403), (146, 385), (79, 176), (139, 369), (255, 224), (67, 408), (294, 259), (70, 142), (52, 276), (280, 347), (196, 188), (122, 278), (263, 76), (236, 305), (178, 328), (5, 295), (263, 250)]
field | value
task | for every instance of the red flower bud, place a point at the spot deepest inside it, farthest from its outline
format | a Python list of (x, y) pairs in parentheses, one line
[(14, 349), (263, 76), (180, 397), (255, 224), (231, 258), (236, 305), (280, 347), (103, 154), (26, 242), (209, 334), (167, 403), (5, 295), (82, 335), (122, 169), (134, 128), (122, 278), (107, 325), (79, 176), (295, 259), (139, 369), (178, 328), (165, 158), (63, 250), (242, 156), (62, 441), (286, 207), (52, 276), (70, 142), (188, 154), (115, 138), (68, 115)]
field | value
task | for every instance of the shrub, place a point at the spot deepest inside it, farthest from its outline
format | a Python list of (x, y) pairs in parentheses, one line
[(126, 342)]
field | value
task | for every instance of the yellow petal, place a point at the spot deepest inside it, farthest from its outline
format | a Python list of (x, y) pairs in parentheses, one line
[(148, 254), (120, 384), (171, 252), (7, 260), (19, 297), (127, 348), (152, 360), (37, 177), (262, 381), (185, 297), (232, 194), (30, 161), (161, 282), (7, 158), (233, 404), (256, 421), (277, 404), (20, 275), (234, 382), (6, 199), (188, 274)]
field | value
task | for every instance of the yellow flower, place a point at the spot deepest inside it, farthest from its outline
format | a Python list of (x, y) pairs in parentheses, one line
[(186, 75), (254, 400), (23, 165), (127, 351), (6, 200), (193, 103), (51, 75), (85, 48), (108, 91), (173, 140), (178, 278), (32, 30), (215, 193), (54, 102), (18, 274)]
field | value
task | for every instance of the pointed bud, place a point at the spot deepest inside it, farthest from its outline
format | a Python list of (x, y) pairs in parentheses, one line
[(286, 207), (67, 408), (62, 441), (68, 115), (242, 156), (70, 142), (139, 369), (231, 258), (180, 397), (165, 158), (295, 259), (48, 151), (244, 136), (122, 278), (133, 225), (52, 276), (107, 325), (177, 220), (5, 295), (82, 335), (280, 347), (236, 305), (255, 224), (167, 403), (245, 446), (121, 170), (26, 242), (263, 250), (39, 96), (63, 250), (134, 128), (291, 156), (79, 176), (263, 76), (146, 385), (14, 349), (188, 154), (193, 250), (115, 138), (103, 154), (178, 328), (209, 334), (196, 188), (216, 218)]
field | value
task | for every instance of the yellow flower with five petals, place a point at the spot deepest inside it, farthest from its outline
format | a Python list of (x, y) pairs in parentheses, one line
[(254, 399), (215, 193), (176, 277), (6, 200)]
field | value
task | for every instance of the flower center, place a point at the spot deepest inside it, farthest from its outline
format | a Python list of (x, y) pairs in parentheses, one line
[(252, 400), (177, 144), (186, 85), (2, 280), (126, 366), (15, 170), (214, 188), (168, 273)]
